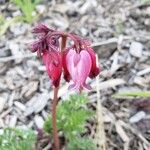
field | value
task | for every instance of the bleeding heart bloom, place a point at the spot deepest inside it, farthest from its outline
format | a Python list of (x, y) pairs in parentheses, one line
[(65, 70), (94, 69), (78, 61), (79, 67), (53, 63)]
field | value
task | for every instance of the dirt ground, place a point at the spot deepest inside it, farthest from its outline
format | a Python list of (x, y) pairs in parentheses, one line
[(120, 32)]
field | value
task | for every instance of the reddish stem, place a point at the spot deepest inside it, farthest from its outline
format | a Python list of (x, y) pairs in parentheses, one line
[(54, 105), (54, 123)]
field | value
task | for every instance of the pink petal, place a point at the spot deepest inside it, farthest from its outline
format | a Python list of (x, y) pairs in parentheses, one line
[(79, 66)]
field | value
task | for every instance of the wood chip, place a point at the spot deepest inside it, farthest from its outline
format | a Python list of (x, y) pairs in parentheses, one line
[(13, 121), (121, 132), (29, 89), (1, 123), (110, 83), (2, 103), (143, 72), (11, 99), (41, 102), (20, 105), (141, 81), (137, 117), (5, 112)]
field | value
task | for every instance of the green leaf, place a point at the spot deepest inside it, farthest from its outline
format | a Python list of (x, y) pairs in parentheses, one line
[(133, 94), (17, 139), (4, 25), (72, 115), (80, 144), (27, 7)]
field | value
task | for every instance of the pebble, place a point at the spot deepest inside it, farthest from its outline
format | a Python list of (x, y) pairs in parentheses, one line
[(40, 9), (136, 49), (39, 121), (15, 50), (62, 23), (137, 117), (19, 28)]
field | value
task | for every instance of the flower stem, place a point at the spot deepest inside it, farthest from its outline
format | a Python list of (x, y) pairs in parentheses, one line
[(63, 42), (54, 105), (54, 123)]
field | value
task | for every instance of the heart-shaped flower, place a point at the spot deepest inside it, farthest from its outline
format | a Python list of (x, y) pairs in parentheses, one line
[(53, 63), (94, 69), (79, 67)]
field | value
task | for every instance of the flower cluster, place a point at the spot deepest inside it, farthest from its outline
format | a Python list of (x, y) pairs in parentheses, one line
[(77, 62)]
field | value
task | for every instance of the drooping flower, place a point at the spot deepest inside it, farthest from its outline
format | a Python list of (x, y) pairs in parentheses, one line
[(95, 70), (67, 76), (79, 66), (78, 60), (47, 47), (53, 63)]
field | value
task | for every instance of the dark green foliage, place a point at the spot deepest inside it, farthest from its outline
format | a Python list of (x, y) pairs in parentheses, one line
[(71, 119), (17, 139)]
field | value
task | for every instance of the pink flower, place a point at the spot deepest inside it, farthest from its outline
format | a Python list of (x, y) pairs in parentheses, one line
[(78, 60), (53, 63), (65, 70), (78, 66), (94, 69)]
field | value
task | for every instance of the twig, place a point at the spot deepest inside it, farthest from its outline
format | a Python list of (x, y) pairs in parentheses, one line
[(101, 139)]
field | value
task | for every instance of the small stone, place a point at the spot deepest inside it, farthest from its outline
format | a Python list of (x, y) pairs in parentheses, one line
[(16, 13), (15, 50), (62, 8), (147, 22), (39, 121), (136, 49), (137, 117), (62, 23), (19, 28), (40, 9)]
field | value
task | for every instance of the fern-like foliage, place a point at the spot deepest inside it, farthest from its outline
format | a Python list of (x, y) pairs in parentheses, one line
[(80, 144), (17, 139), (27, 7), (71, 119)]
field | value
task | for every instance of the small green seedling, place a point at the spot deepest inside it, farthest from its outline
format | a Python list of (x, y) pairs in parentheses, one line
[(72, 115), (17, 139), (132, 94), (27, 7), (4, 24)]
